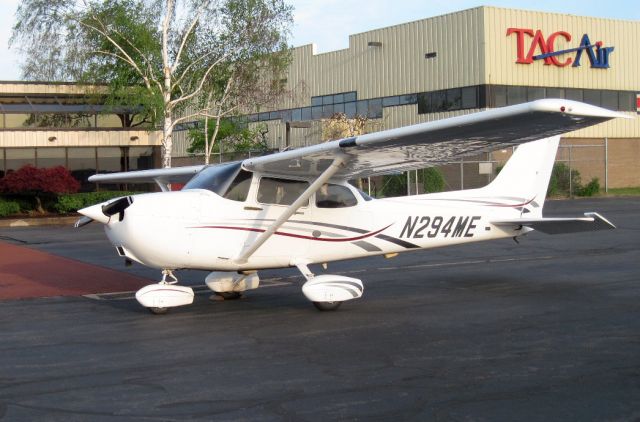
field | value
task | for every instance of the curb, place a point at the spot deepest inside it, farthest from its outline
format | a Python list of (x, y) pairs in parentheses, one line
[(39, 221)]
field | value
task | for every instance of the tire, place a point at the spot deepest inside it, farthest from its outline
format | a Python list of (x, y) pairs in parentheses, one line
[(230, 295), (327, 306), (158, 311)]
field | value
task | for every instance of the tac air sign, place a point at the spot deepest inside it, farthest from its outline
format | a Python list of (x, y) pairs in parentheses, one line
[(538, 47)]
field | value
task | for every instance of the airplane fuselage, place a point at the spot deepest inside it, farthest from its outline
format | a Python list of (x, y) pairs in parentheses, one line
[(200, 230)]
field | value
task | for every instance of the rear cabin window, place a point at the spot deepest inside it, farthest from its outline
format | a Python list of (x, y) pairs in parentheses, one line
[(280, 191), (335, 196)]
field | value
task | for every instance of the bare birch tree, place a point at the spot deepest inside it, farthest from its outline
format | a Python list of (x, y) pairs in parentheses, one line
[(171, 60)]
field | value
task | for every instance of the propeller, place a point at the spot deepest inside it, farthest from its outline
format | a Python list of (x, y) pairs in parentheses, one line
[(83, 221), (117, 207)]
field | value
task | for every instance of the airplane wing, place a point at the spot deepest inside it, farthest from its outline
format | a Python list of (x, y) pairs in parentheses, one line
[(437, 142), (160, 176), (591, 221)]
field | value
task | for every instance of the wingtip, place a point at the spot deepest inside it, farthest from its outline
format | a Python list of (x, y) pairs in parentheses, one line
[(575, 108)]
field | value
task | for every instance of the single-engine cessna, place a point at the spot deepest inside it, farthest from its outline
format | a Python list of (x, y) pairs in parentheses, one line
[(295, 208)]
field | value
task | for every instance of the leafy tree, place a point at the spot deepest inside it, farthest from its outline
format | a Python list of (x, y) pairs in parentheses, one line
[(393, 185), (432, 180), (233, 136), (170, 61), (340, 126), (39, 182)]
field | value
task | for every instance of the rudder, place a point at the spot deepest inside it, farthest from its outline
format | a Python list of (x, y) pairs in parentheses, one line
[(527, 173)]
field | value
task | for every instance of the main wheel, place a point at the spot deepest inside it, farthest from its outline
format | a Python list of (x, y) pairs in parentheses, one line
[(217, 296), (158, 311), (327, 306)]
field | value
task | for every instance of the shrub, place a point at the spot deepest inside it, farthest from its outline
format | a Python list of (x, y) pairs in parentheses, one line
[(39, 183), (29, 179), (432, 180), (8, 208), (73, 202), (592, 188), (559, 183), (393, 185)]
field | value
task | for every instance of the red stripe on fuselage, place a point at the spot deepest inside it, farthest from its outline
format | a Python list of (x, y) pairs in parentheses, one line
[(298, 236)]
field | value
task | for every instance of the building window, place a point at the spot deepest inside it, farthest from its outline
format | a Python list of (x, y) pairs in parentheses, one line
[(391, 101), (535, 93), (140, 158), (408, 99), (609, 100), (454, 99), (51, 157), (573, 94), (555, 93), (469, 97), (516, 95), (16, 121), (362, 107), (18, 157), (375, 109), (350, 109), (592, 96), (331, 99), (627, 101)]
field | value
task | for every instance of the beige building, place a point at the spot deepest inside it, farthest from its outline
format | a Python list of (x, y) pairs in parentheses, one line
[(468, 61), (51, 124), (419, 71)]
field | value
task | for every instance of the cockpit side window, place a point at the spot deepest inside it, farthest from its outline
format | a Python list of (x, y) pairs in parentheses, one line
[(280, 191), (239, 188), (335, 196)]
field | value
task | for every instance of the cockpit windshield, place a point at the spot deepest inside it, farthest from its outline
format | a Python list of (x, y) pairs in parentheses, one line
[(219, 178)]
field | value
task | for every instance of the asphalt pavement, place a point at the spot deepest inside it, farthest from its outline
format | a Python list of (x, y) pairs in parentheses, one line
[(545, 330)]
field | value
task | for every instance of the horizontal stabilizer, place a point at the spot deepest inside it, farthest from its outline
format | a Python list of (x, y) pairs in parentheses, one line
[(591, 221)]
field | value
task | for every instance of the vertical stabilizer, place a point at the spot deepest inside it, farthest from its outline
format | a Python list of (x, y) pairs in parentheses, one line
[(526, 175)]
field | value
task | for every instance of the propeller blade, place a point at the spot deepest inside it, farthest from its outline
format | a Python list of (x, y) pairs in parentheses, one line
[(82, 221), (117, 207)]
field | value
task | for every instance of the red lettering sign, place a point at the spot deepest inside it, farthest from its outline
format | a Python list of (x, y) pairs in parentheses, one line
[(545, 49)]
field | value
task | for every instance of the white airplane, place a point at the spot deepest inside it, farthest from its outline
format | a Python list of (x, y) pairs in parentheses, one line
[(295, 208)]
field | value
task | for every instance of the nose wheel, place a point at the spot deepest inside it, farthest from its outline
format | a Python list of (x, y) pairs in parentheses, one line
[(160, 297)]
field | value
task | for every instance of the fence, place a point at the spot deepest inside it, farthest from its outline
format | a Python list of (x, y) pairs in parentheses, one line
[(577, 163), (584, 160)]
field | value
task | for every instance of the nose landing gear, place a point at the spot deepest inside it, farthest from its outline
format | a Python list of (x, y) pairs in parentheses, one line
[(159, 297)]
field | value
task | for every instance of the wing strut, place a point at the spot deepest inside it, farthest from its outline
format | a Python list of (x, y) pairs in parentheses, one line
[(336, 165)]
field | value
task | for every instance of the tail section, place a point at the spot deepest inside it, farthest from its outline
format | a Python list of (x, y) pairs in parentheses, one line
[(526, 175)]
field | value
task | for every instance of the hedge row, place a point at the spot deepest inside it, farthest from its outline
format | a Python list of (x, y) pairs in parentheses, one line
[(73, 202), (63, 204), (8, 208)]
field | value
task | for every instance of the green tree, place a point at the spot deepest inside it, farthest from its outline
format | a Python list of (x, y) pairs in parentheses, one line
[(233, 136), (169, 61), (432, 180)]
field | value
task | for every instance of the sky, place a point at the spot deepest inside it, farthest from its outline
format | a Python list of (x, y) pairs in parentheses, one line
[(328, 23)]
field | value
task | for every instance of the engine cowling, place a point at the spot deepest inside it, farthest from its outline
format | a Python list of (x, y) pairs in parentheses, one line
[(332, 288)]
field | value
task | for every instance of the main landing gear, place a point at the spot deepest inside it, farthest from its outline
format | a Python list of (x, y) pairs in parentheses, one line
[(327, 291), (159, 297)]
